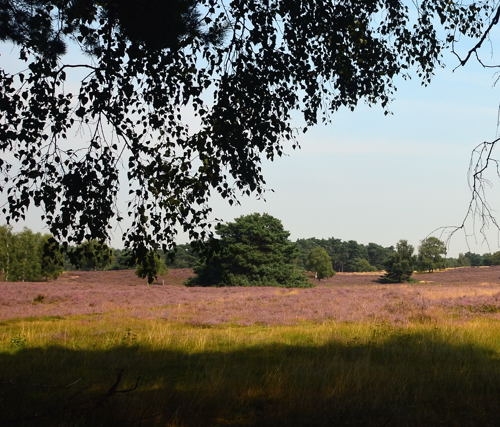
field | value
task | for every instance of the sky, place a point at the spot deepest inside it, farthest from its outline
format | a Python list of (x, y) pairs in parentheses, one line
[(375, 178)]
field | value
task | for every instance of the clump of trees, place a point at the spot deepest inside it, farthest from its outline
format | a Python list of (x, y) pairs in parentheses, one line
[(400, 265), (151, 266), (431, 255), (346, 256), (471, 259), (254, 250), (320, 263), (28, 256), (91, 255), (96, 255)]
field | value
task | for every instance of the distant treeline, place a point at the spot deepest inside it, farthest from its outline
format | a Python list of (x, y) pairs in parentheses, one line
[(346, 256), (29, 256)]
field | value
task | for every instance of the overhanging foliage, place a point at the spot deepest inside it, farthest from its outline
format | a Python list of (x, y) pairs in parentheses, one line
[(240, 68)]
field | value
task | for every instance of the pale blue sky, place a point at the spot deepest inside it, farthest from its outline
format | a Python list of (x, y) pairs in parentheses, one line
[(375, 178)]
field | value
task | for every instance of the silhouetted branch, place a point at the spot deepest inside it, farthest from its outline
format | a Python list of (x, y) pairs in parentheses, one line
[(114, 388), (72, 404), (479, 208), (478, 45)]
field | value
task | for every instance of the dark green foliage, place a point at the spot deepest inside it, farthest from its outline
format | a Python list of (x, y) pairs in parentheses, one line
[(430, 254), (304, 247), (472, 259), (150, 266), (52, 259), (399, 267), (254, 250), (28, 256), (5, 251), (462, 261), (495, 258), (378, 255), (346, 255), (320, 263), (183, 256), (91, 255), (148, 68), (123, 259), (362, 265)]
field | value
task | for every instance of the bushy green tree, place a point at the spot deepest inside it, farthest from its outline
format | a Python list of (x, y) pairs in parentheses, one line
[(52, 258), (473, 259), (304, 247), (378, 255), (28, 256), (91, 255), (320, 263), (184, 256), (463, 261), (399, 267), (362, 265), (123, 259), (6, 244), (254, 250), (151, 266), (495, 258), (430, 254)]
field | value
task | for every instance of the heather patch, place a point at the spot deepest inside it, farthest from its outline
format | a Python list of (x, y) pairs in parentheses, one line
[(106, 349), (344, 298)]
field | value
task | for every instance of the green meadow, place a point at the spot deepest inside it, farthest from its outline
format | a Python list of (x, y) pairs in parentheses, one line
[(104, 370)]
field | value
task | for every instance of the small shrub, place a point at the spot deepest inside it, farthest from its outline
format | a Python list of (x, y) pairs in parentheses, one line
[(39, 299)]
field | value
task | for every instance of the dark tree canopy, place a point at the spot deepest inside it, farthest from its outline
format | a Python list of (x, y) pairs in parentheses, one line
[(254, 250), (431, 254), (400, 265), (91, 255), (319, 262), (151, 267), (242, 68), (346, 255)]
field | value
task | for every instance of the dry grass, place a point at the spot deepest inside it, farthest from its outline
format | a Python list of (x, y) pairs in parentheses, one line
[(83, 351), (59, 372)]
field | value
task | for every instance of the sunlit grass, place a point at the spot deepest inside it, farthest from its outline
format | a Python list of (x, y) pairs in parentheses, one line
[(61, 371)]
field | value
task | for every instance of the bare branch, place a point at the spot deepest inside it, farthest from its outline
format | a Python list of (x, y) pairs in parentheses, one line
[(481, 161), (114, 388)]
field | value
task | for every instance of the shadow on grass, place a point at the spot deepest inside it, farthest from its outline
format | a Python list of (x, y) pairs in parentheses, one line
[(407, 380)]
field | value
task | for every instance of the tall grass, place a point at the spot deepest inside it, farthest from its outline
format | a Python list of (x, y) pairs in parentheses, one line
[(104, 370)]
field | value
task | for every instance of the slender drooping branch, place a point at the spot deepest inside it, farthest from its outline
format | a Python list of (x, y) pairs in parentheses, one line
[(478, 45), (478, 209)]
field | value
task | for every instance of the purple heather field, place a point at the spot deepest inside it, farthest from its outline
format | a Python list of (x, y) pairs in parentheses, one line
[(458, 294)]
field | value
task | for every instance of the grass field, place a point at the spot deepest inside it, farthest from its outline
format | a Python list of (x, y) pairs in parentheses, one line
[(118, 368)]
